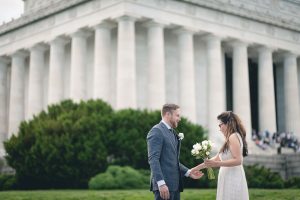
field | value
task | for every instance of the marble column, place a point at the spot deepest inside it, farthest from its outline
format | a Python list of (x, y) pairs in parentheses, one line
[(102, 67), (35, 84), (291, 96), (266, 91), (56, 70), (17, 92), (216, 84), (187, 84), (3, 101), (241, 86), (156, 65), (126, 69), (78, 65), (298, 66)]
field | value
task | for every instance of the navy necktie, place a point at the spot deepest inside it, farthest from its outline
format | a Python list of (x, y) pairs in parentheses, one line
[(174, 132)]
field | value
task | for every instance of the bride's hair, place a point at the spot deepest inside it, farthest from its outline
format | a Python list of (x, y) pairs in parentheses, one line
[(234, 125)]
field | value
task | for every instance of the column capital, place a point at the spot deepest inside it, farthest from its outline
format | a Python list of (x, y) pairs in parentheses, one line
[(185, 30), (39, 47), (238, 43), (281, 55), (83, 32), (155, 23), (20, 53), (105, 24), (4, 59), (262, 48), (60, 40), (289, 54), (210, 36), (127, 17)]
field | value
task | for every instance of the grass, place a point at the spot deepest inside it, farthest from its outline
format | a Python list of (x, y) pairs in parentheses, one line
[(188, 194)]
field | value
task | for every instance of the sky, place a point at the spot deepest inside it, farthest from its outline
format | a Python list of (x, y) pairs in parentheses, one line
[(10, 9)]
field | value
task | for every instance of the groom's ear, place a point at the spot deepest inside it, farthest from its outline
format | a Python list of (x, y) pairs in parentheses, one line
[(169, 113)]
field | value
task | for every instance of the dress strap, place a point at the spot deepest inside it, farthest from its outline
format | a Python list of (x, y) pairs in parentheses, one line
[(240, 140)]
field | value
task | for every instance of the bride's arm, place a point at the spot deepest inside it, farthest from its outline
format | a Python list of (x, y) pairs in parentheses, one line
[(234, 147), (202, 165), (215, 158)]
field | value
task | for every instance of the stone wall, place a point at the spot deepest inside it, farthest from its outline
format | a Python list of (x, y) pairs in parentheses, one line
[(287, 165)]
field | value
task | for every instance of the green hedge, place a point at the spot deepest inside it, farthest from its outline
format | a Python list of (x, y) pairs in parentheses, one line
[(117, 177), (292, 183), (114, 178), (8, 182), (261, 177)]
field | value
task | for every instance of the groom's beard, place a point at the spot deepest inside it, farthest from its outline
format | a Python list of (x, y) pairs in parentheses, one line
[(173, 123)]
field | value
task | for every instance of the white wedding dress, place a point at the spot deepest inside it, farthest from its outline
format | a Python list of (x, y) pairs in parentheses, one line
[(232, 184)]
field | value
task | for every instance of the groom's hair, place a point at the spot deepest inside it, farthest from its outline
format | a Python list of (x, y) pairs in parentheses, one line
[(168, 107)]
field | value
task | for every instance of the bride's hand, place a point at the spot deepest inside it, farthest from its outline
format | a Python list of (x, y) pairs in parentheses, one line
[(211, 163)]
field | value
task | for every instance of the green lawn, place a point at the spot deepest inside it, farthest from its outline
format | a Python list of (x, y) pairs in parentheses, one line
[(188, 194)]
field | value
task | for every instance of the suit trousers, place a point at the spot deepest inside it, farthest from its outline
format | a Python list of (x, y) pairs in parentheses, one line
[(173, 195)]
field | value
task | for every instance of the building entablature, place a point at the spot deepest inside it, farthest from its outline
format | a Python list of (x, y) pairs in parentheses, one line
[(204, 20), (201, 19)]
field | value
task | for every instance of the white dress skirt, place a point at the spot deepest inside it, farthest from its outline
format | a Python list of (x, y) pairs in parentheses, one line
[(232, 184)]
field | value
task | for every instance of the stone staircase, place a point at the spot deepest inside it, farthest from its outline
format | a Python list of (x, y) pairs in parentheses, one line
[(286, 164)]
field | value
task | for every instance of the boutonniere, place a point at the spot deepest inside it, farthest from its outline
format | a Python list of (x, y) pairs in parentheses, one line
[(180, 136)]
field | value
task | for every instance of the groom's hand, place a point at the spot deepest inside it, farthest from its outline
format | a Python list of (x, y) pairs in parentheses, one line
[(164, 192), (195, 173)]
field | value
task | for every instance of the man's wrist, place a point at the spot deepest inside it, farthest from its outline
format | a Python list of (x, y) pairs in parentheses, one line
[(161, 183), (187, 174)]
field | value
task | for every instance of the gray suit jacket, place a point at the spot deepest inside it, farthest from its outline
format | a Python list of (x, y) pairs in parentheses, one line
[(163, 158)]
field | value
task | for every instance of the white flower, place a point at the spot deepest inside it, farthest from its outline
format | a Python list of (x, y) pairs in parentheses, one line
[(181, 136), (197, 147), (193, 151), (207, 153), (204, 147)]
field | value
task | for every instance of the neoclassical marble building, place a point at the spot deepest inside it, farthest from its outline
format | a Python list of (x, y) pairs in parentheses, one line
[(207, 56)]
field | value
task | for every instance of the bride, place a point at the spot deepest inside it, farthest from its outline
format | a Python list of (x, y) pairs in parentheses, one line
[(232, 184)]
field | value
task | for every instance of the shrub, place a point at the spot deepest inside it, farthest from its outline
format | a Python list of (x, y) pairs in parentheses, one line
[(117, 177), (7, 182), (62, 148), (261, 177), (293, 182)]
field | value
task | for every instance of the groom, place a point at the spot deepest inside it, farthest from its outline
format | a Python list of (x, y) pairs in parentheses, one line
[(163, 156)]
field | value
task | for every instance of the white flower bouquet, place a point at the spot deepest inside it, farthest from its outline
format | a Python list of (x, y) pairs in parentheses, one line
[(202, 151)]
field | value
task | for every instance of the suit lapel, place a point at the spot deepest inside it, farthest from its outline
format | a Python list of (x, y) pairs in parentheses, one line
[(171, 137), (178, 149)]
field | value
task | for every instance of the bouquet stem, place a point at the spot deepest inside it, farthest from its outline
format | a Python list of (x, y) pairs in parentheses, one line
[(210, 173)]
